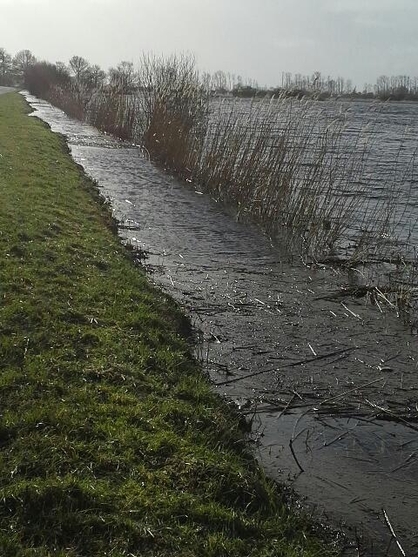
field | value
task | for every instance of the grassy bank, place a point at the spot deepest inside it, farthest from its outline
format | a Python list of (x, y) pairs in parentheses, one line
[(111, 441)]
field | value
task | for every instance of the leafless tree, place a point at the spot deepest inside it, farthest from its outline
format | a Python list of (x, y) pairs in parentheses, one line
[(78, 66), (21, 62), (123, 78), (6, 77)]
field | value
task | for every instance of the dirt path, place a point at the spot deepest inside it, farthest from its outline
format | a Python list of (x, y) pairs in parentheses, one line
[(6, 90)]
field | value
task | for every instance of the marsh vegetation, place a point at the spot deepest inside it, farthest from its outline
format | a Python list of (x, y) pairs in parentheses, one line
[(312, 174)]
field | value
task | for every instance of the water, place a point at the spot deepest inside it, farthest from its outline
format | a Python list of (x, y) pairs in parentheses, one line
[(368, 174), (316, 373)]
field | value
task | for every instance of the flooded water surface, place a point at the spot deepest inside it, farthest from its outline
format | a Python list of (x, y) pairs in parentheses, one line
[(328, 382)]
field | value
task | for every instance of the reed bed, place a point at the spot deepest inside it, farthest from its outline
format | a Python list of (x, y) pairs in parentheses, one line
[(283, 162), (113, 112), (280, 162), (173, 105), (298, 169)]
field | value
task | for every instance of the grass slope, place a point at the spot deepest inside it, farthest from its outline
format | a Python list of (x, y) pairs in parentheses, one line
[(111, 441)]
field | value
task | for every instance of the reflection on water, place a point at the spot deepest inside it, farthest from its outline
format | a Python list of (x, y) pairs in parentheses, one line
[(278, 339), (359, 464), (370, 161)]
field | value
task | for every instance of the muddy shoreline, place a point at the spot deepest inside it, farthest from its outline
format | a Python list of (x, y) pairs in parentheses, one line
[(328, 382)]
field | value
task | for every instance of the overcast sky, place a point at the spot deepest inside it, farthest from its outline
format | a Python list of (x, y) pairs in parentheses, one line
[(259, 39)]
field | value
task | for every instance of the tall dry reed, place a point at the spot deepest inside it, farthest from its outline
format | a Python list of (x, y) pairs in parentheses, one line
[(288, 164)]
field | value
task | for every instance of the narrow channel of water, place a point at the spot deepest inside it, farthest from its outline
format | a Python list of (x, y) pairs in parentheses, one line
[(319, 375)]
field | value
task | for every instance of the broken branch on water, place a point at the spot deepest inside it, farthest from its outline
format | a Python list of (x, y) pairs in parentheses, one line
[(294, 455), (392, 531), (405, 462), (288, 405), (292, 364), (392, 414), (351, 391)]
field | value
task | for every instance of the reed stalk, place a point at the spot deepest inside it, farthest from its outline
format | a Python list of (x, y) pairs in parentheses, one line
[(295, 166)]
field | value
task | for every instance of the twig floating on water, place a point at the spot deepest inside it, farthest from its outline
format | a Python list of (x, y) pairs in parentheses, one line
[(337, 438), (294, 455), (293, 364), (351, 391), (390, 358), (356, 315), (390, 413), (312, 350), (405, 462), (288, 405), (392, 531)]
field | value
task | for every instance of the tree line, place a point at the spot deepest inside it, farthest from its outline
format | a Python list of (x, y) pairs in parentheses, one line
[(24, 69), (13, 68), (398, 87), (317, 85)]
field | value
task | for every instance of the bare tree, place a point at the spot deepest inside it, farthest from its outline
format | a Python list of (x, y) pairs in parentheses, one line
[(78, 66), (21, 62), (206, 80), (6, 76), (95, 76), (219, 81), (123, 78)]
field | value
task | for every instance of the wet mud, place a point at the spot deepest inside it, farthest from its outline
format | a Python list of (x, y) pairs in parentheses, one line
[(328, 381)]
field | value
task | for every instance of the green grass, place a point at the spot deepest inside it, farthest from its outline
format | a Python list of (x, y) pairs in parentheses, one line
[(111, 440)]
